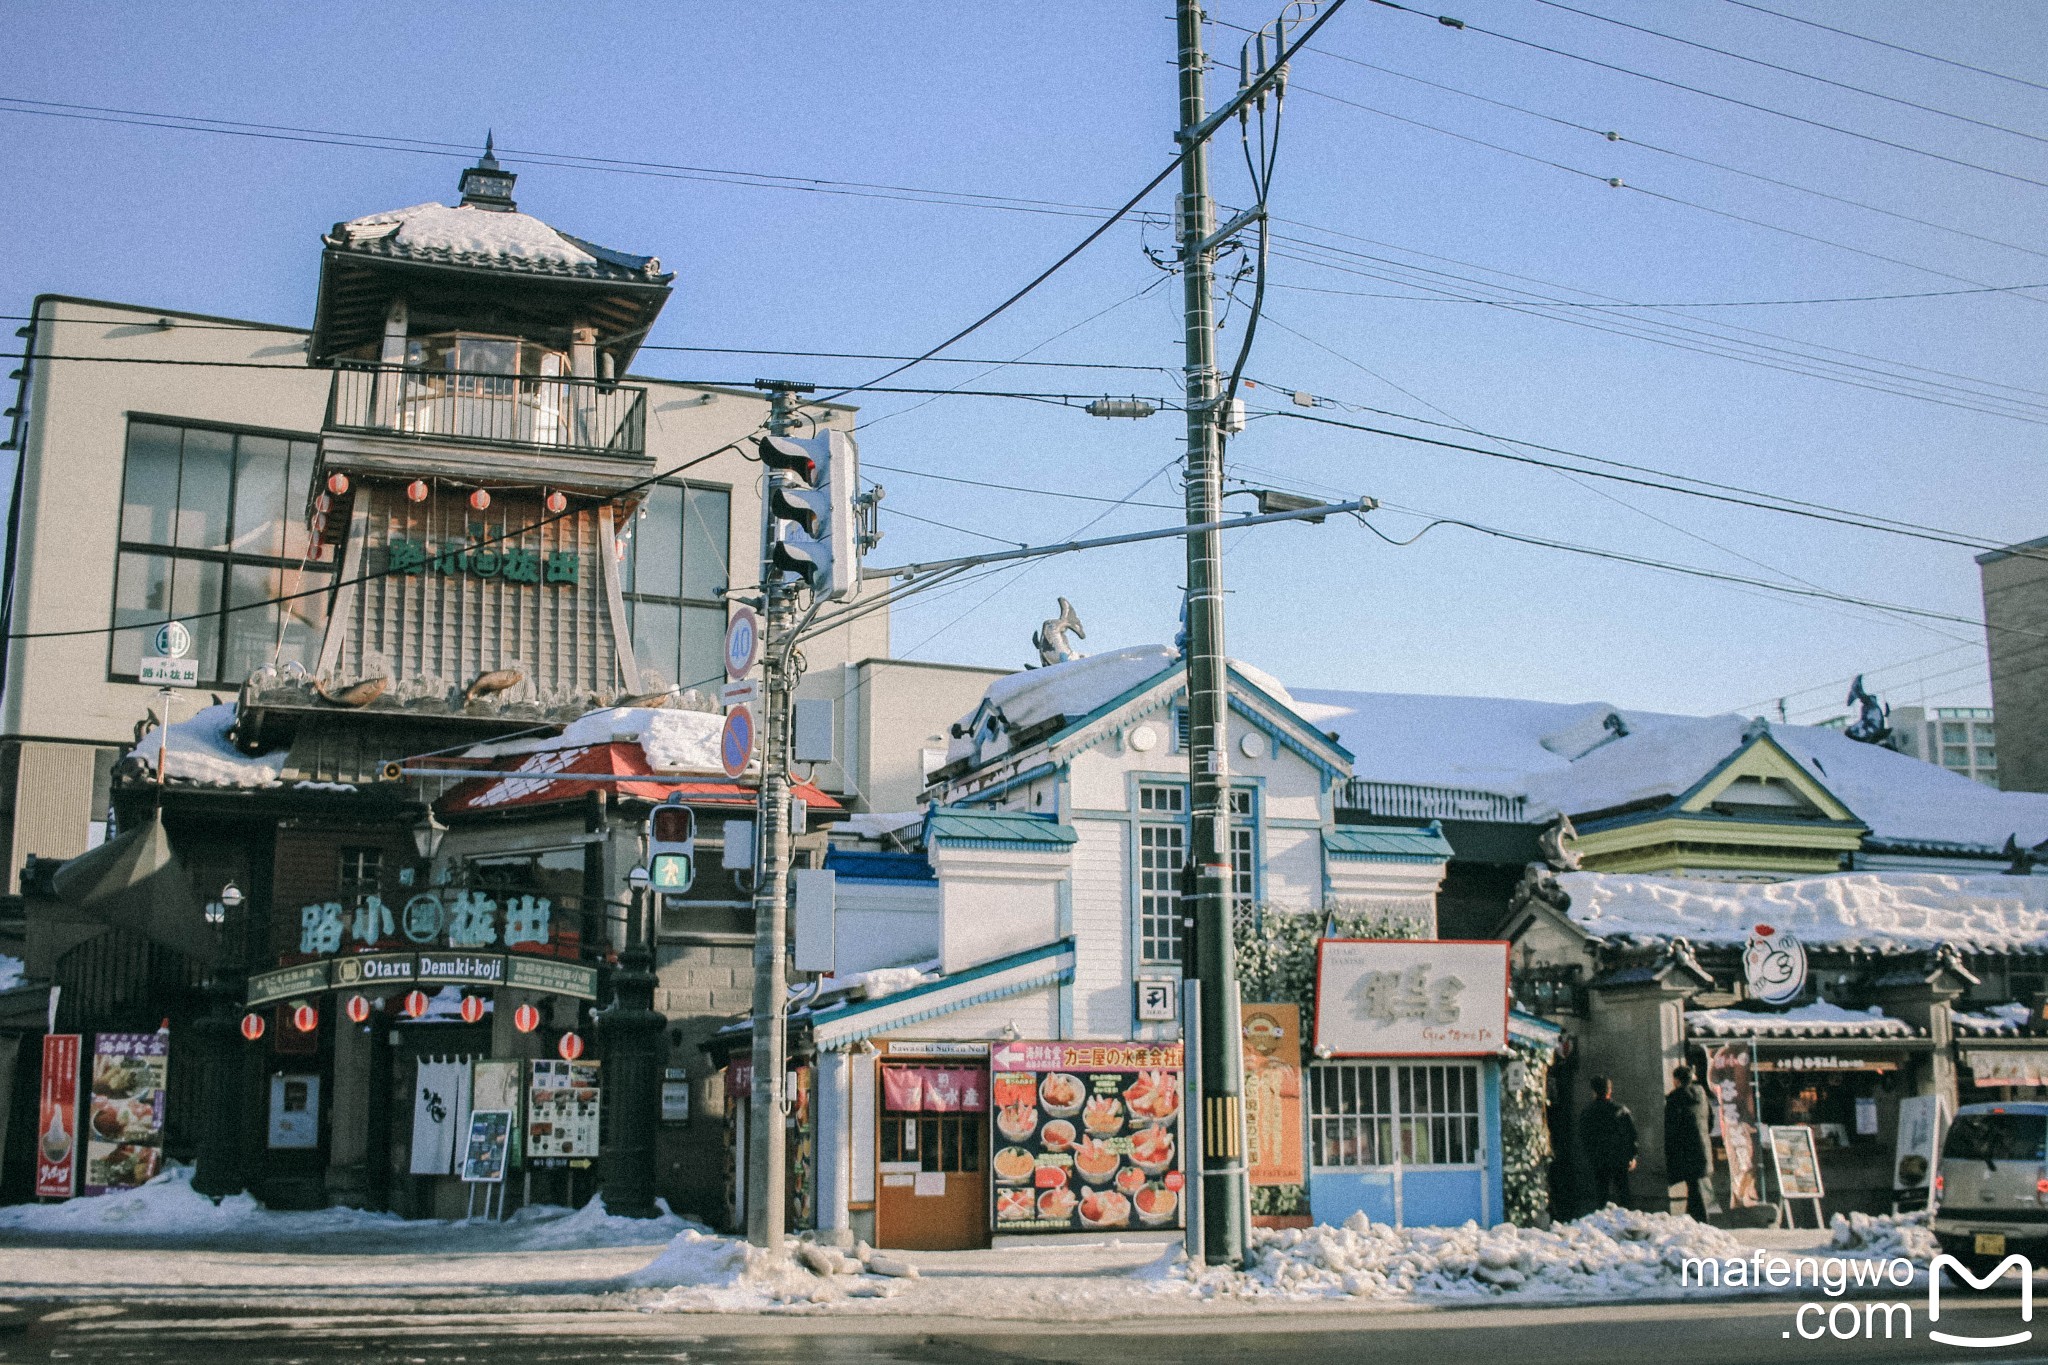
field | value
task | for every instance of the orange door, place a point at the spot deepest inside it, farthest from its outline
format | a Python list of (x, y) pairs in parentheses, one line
[(931, 1182)]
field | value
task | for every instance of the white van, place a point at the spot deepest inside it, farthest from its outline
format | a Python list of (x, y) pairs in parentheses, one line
[(1991, 1191)]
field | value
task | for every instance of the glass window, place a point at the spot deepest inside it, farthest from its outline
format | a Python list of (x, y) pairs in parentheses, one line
[(212, 530), (1381, 1114), (1997, 1137), (1162, 852), (1986, 732), (673, 568), (1955, 756), (1987, 757), (1954, 732)]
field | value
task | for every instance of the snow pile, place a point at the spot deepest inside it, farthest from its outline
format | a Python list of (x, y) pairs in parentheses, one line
[(478, 232), (1885, 911), (1818, 1020), (1615, 1253), (2004, 1021), (1885, 1235), (550, 1227), (199, 751), (886, 981), (702, 1272), (673, 741)]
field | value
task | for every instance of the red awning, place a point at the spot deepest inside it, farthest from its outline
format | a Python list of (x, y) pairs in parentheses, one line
[(552, 775)]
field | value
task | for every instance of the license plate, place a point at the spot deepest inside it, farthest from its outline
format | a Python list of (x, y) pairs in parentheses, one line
[(1990, 1244)]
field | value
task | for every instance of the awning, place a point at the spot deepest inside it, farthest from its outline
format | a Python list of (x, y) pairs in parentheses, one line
[(135, 882), (2007, 1067)]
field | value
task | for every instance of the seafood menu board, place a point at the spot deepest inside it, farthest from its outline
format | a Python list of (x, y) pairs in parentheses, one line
[(125, 1127), (561, 1113), (1086, 1136)]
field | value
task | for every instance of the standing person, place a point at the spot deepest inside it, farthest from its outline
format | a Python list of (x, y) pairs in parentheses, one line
[(1687, 1151), (1607, 1133)]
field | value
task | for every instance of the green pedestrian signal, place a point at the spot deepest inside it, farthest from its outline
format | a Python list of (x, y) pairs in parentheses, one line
[(671, 872), (671, 848)]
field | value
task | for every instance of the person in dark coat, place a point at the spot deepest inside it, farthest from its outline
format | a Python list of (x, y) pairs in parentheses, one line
[(1688, 1153), (1607, 1134)]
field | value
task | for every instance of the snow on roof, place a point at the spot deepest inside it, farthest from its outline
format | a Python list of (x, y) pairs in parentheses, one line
[(1998, 1021), (1881, 911), (200, 752), (1579, 758), (1818, 1020), (674, 741), (435, 227), (878, 824)]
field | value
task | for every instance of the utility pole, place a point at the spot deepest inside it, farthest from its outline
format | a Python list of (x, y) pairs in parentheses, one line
[(766, 1173), (1222, 1061)]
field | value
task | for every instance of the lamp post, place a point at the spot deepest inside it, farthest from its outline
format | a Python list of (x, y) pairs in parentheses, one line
[(218, 1168), (629, 1039)]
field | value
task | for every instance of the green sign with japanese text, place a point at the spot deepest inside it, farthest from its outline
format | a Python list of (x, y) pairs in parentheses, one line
[(512, 563)]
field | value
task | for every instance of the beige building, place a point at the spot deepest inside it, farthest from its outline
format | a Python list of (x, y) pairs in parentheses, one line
[(2015, 582)]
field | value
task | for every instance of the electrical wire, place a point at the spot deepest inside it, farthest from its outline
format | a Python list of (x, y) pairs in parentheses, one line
[(1896, 47)]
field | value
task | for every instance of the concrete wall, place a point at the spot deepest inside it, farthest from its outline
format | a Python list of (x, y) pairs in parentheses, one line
[(2016, 620), (886, 715), (995, 901)]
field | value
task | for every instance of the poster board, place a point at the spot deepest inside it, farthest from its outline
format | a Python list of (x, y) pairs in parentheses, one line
[(125, 1115), (1086, 1136), (562, 1102), (1275, 1153), (1796, 1161), (487, 1149), (57, 1118), (1411, 998), (1919, 1142), (1732, 1091)]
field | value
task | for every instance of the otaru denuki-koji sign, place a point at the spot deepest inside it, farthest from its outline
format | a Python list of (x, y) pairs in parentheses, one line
[(1411, 998)]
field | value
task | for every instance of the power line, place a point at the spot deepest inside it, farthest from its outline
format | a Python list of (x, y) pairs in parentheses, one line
[(1699, 303), (1790, 71), (1896, 47), (1464, 26)]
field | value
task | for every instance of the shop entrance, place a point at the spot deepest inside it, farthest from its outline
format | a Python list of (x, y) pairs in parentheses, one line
[(1402, 1144), (931, 1187)]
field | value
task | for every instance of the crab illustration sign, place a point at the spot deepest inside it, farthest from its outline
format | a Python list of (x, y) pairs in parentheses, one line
[(1774, 964)]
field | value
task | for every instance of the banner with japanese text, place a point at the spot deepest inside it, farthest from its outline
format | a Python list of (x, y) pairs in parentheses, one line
[(1733, 1094), (1277, 1164), (125, 1128), (1411, 998), (57, 1119)]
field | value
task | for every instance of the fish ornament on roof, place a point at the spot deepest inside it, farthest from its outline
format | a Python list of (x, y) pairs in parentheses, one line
[(1558, 845), (1869, 727), (1051, 639)]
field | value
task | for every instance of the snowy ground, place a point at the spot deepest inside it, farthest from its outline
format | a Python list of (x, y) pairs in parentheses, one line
[(164, 1244)]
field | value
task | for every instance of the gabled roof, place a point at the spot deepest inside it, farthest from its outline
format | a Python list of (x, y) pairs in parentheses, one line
[(1388, 843), (568, 774)]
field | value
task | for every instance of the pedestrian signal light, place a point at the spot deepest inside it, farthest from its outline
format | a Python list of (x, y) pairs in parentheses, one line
[(671, 848)]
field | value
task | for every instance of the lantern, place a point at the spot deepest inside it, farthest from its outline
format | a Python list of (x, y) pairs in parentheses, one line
[(357, 1009), (526, 1018), (305, 1018), (472, 1008), (416, 1003), (416, 491), (558, 502), (323, 504), (318, 524), (480, 500), (252, 1026), (337, 484), (571, 1046)]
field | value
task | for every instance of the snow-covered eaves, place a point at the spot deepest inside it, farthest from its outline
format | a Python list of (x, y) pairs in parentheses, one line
[(1883, 912), (198, 752), (1388, 843), (840, 1026), (1998, 1021), (1817, 1020), (435, 234)]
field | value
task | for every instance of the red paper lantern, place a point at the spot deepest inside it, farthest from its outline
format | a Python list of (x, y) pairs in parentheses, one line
[(252, 1026), (357, 1009), (416, 491), (480, 500), (305, 1018), (337, 484), (416, 1003), (472, 1008), (526, 1018), (558, 501), (322, 503), (319, 523), (571, 1046)]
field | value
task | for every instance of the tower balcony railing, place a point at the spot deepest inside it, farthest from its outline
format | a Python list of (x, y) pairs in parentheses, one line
[(544, 412)]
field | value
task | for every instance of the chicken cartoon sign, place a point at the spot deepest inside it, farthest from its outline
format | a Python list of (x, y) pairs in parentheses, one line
[(1774, 964)]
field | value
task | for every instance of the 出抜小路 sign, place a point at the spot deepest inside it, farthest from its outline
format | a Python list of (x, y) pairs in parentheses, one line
[(512, 563), (1411, 998)]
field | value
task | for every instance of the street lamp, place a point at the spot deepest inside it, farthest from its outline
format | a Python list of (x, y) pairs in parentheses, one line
[(218, 909), (426, 836)]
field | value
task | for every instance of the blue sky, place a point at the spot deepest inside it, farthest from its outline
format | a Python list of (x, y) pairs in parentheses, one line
[(1074, 103)]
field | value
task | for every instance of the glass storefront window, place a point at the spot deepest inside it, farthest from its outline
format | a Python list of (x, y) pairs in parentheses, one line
[(213, 521), (674, 565)]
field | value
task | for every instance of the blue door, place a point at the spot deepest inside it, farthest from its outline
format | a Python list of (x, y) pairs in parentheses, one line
[(1411, 1143)]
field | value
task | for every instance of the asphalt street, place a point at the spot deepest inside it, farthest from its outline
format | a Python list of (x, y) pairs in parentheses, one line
[(1723, 1333)]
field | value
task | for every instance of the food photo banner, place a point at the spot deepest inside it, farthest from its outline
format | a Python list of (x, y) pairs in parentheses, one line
[(125, 1129), (1086, 1136)]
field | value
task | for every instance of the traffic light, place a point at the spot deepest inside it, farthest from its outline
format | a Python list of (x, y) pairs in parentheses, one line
[(811, 498), (671, 849)]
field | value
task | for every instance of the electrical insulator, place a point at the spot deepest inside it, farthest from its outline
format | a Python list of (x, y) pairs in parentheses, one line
[(1120, 407)]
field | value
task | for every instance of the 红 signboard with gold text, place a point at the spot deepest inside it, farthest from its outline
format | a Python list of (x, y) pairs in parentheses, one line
[(1411, 998)]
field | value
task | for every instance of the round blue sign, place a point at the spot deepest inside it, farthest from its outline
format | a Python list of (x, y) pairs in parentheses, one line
[(742, 642), (736, 743)]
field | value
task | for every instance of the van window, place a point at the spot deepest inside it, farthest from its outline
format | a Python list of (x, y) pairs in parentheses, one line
[(1998, 1137)]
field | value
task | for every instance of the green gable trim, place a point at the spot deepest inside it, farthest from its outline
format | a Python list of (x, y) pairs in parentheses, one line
[(1388, 843), (1291, 730), (985, 828), (1707, 817)]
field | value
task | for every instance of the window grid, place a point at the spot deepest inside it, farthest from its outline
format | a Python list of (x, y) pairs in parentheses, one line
[(1162, 852), (673, 569), (1365, 1114)]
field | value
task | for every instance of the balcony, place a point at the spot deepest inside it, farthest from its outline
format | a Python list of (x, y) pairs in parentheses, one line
[(536, 413)]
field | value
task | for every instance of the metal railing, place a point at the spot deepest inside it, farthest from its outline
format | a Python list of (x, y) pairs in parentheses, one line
[(1415, 802), (489, 409)]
